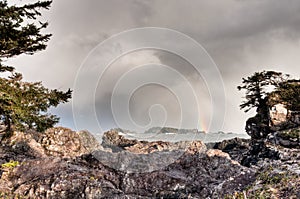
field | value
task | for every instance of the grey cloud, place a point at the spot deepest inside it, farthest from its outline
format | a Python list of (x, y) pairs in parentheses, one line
[(241, 36), (146, 96)]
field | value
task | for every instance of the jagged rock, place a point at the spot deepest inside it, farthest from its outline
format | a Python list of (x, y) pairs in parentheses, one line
[(86, 177), (142, 156), (237, 148), (137, 163), (88, 141), (287, 138), (272, 146), (64, 178), (278, 175), (64, 142), (112, 139), (193, 175), (175, 170), (259, 149), (249, 152), (24, 143), (56, 141), (217, 152), (150, 147)]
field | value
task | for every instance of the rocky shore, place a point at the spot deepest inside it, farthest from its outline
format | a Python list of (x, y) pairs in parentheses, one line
[(61, 163)]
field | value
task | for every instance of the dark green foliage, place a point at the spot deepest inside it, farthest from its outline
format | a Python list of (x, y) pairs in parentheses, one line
[(256, 88), (19, 31), (24, 105), (287, 93)]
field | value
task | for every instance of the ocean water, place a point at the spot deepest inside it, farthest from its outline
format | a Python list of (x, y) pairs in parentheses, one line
[(176, 137)]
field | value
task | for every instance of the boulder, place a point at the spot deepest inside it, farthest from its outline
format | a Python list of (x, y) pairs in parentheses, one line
[(58, 141), (88, 141), (112, 139), (64, 142), (237, 148)]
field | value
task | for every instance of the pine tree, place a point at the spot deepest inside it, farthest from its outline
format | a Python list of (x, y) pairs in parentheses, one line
[(257, 95), (24, 105), (256, 87)]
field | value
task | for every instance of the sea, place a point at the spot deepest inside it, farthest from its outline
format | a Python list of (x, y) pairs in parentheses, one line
[(185, 136)]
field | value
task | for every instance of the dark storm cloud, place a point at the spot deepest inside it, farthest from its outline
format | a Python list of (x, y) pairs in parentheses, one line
[(241, 37)]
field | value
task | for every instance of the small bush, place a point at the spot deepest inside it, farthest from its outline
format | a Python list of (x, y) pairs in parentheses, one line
[(9, 165)]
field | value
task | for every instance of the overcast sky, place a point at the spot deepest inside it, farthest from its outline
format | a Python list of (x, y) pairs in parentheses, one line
[(241, 37)]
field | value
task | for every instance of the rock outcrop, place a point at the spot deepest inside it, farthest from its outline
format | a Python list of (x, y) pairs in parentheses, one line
[(46, 166), (142, 156), (276, 160), (280, 116), (289, 138), (116, 142), (237, 148), (58, 142), (64, 142), (191, 175)]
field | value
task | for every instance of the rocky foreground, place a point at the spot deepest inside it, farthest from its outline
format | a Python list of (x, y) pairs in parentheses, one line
[(64, 164)]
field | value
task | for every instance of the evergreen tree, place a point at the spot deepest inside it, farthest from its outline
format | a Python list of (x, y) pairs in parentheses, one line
[(20, 32), (257, 87), (24, 105)]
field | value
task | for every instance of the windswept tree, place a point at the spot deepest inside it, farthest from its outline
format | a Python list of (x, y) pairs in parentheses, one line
[(257, 89), (24, 105), (258, 86)]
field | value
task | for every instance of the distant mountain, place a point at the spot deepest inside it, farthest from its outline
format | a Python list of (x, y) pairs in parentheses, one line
[(170, 130)]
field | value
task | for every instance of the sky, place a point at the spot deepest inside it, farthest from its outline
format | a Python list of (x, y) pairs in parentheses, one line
[(158, 87)]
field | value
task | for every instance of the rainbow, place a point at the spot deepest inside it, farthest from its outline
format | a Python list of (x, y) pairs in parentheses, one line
[(203, 125)]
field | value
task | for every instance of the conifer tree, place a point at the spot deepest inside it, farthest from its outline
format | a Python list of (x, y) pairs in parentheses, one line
[(24, 105), (257, 88)]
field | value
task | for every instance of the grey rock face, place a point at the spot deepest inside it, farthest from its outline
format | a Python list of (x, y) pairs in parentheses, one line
[(86, 177), (48, 169), (64, 142), (142, 156), (116, 142), (237, 148), (192, 175)]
